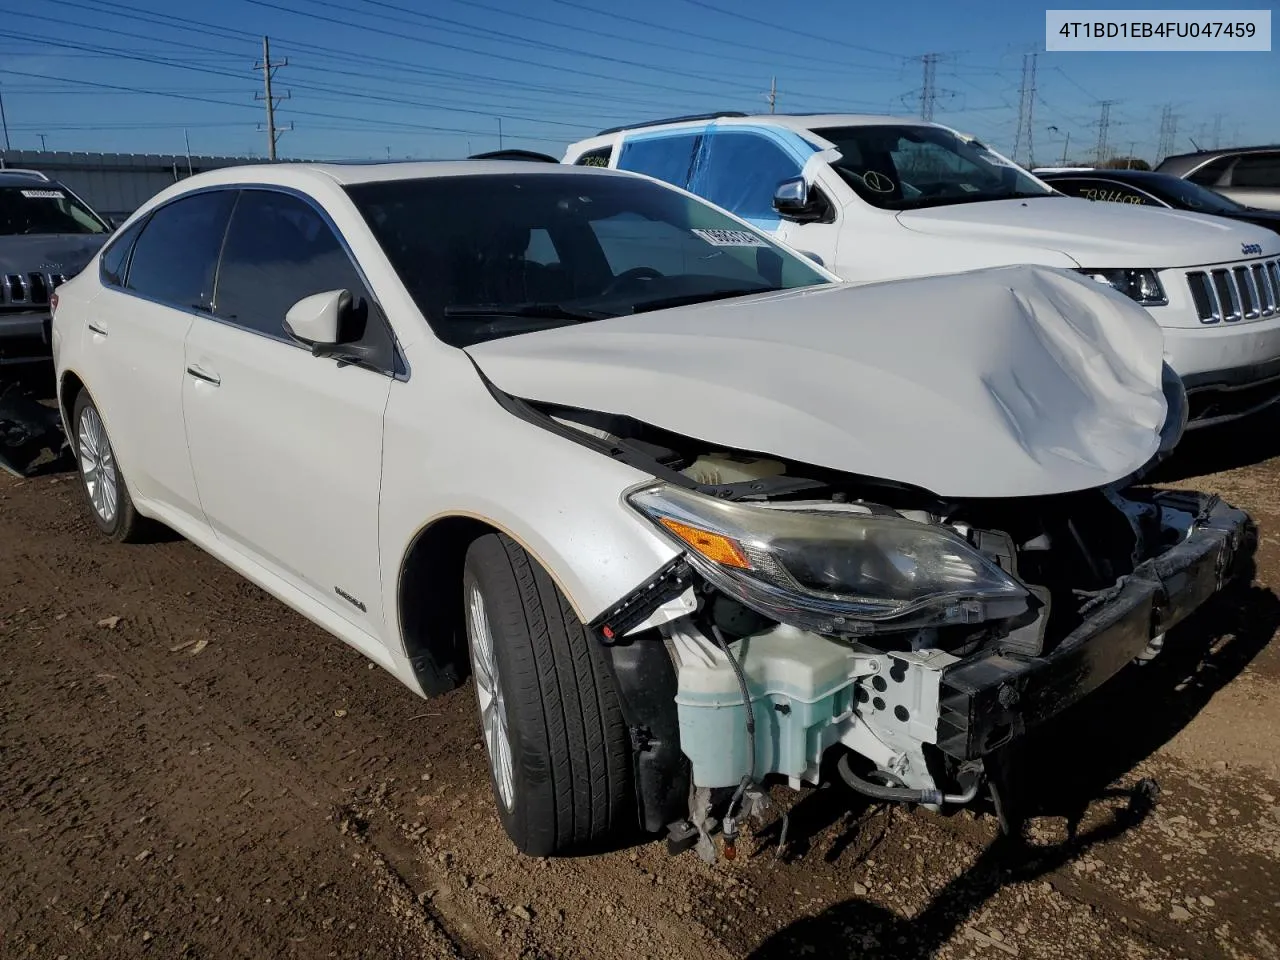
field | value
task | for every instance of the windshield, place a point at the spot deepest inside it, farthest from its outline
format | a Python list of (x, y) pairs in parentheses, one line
[(909, 166), (494, 255), (45, 208), (1184, 193)]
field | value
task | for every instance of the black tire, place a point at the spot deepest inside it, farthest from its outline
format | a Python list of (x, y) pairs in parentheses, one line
[(570, 748), (126, 525)]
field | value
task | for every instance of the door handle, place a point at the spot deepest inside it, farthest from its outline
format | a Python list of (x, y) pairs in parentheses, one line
[(95, 328), (204, 375)]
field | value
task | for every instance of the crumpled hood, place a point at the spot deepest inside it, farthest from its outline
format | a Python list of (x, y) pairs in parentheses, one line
[(1005, 382), (1097, 235), (62, 253)]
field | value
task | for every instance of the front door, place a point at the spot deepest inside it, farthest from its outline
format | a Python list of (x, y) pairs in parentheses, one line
[(287, 447)]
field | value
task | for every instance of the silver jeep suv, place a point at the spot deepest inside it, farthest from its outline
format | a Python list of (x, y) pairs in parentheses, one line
[(47, 235)]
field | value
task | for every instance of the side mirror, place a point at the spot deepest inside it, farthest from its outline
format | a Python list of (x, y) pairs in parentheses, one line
[(320, 322), (793, 200), (316, 320)]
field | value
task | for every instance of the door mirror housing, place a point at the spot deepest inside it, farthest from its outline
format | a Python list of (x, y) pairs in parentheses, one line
[(317, 320), (321, 322), (793, 200)]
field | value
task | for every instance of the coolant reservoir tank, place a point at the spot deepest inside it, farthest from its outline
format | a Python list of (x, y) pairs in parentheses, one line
[(714, 468)]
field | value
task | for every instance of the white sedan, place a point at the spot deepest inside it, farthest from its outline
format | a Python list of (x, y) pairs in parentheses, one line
[(693, 514)]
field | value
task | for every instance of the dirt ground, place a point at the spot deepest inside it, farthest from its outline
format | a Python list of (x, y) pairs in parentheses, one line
[(188, 769)]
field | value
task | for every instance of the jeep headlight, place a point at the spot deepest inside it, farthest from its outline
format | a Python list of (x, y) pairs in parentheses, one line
[(833, 568), (1141, 286)]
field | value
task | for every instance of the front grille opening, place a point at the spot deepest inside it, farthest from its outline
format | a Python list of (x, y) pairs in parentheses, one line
[(1212, 403), (1202, 296), (1226, 295), (1246, 295)]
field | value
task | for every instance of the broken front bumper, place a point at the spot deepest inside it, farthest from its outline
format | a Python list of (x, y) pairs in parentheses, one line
[(988, 700)]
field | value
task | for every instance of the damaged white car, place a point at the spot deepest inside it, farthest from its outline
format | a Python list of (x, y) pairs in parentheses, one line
[(694, 516)]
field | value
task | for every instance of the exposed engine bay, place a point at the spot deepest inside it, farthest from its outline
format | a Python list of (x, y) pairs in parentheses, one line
[(816, 615)]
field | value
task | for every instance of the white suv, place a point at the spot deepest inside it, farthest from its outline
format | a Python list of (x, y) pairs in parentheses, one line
[(692, 513), (876, 198)]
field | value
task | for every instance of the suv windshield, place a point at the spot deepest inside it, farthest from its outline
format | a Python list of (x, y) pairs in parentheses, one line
[(45, 208), (493, 255), (909, 166)]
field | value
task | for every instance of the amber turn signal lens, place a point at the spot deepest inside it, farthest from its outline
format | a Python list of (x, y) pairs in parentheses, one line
[(713, 546)]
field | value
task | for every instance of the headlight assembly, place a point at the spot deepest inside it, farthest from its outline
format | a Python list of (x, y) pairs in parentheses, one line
[(1141, 286), (833, 568)]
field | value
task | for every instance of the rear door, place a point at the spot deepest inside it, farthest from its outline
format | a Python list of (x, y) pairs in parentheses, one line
[(287, 447), (135, 341), (665, 155)]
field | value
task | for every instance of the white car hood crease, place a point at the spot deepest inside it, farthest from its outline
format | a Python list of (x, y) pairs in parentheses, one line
[(1004, 382)]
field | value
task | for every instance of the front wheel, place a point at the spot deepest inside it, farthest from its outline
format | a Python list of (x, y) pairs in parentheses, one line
[(558, 748), (100, 476)]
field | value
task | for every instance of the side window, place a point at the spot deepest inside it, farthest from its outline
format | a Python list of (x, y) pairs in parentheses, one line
[(278, 250), (111, 268), (666, 158), (175, 254), (1211, 172), (741, 171), (1105, 190), (1257, 170), (594, 158)]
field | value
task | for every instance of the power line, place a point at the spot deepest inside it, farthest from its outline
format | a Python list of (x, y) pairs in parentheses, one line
[(269, 69)]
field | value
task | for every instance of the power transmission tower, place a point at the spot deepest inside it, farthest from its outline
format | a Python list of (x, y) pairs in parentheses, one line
[(1168, 132), (272, 100), (1026, 109), (928, 88), (1104, 125)]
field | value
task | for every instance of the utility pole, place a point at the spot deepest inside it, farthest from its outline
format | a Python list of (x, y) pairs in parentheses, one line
[(1104, 124), (928, 88), (272, 100), (1168, 132), (186, 139), (773, 93), (1128, 160), (1217, 130), (41, 136), (499, 133), (4, 122), (1066, 143), (1026, 108)]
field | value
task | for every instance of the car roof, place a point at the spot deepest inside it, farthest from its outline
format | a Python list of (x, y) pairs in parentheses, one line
[(358, 172), (1180, 163), (24, 178)]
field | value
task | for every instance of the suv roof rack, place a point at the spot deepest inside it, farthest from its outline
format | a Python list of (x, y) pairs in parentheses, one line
[(39, 175), (658, 123), (514, 155)]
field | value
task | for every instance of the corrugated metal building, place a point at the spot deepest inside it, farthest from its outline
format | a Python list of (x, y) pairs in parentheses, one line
[(116, 184)]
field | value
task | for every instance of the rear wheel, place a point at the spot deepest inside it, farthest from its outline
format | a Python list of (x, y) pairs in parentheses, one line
[(100, 477), (558, 748)]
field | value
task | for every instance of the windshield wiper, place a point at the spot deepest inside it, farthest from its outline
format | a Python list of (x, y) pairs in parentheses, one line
[(684, 300), (550, 311)]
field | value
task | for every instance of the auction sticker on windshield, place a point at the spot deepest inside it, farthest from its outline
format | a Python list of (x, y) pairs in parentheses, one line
[(44, 194), (730, 238)]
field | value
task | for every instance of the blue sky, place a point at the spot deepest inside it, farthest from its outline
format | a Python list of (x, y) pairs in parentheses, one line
[(398, 78)]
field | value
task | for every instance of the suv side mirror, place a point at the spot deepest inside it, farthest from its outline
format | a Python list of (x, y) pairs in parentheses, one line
[(793, 200), (320, 322)]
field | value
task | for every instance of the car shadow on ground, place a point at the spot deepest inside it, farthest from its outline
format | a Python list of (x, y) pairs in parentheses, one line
[(1229, 446), (1065, 770)]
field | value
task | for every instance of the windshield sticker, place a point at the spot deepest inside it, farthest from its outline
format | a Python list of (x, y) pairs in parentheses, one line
[(44, 194), (968, 187), (877, 182), (731, 238), (996, 160)]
